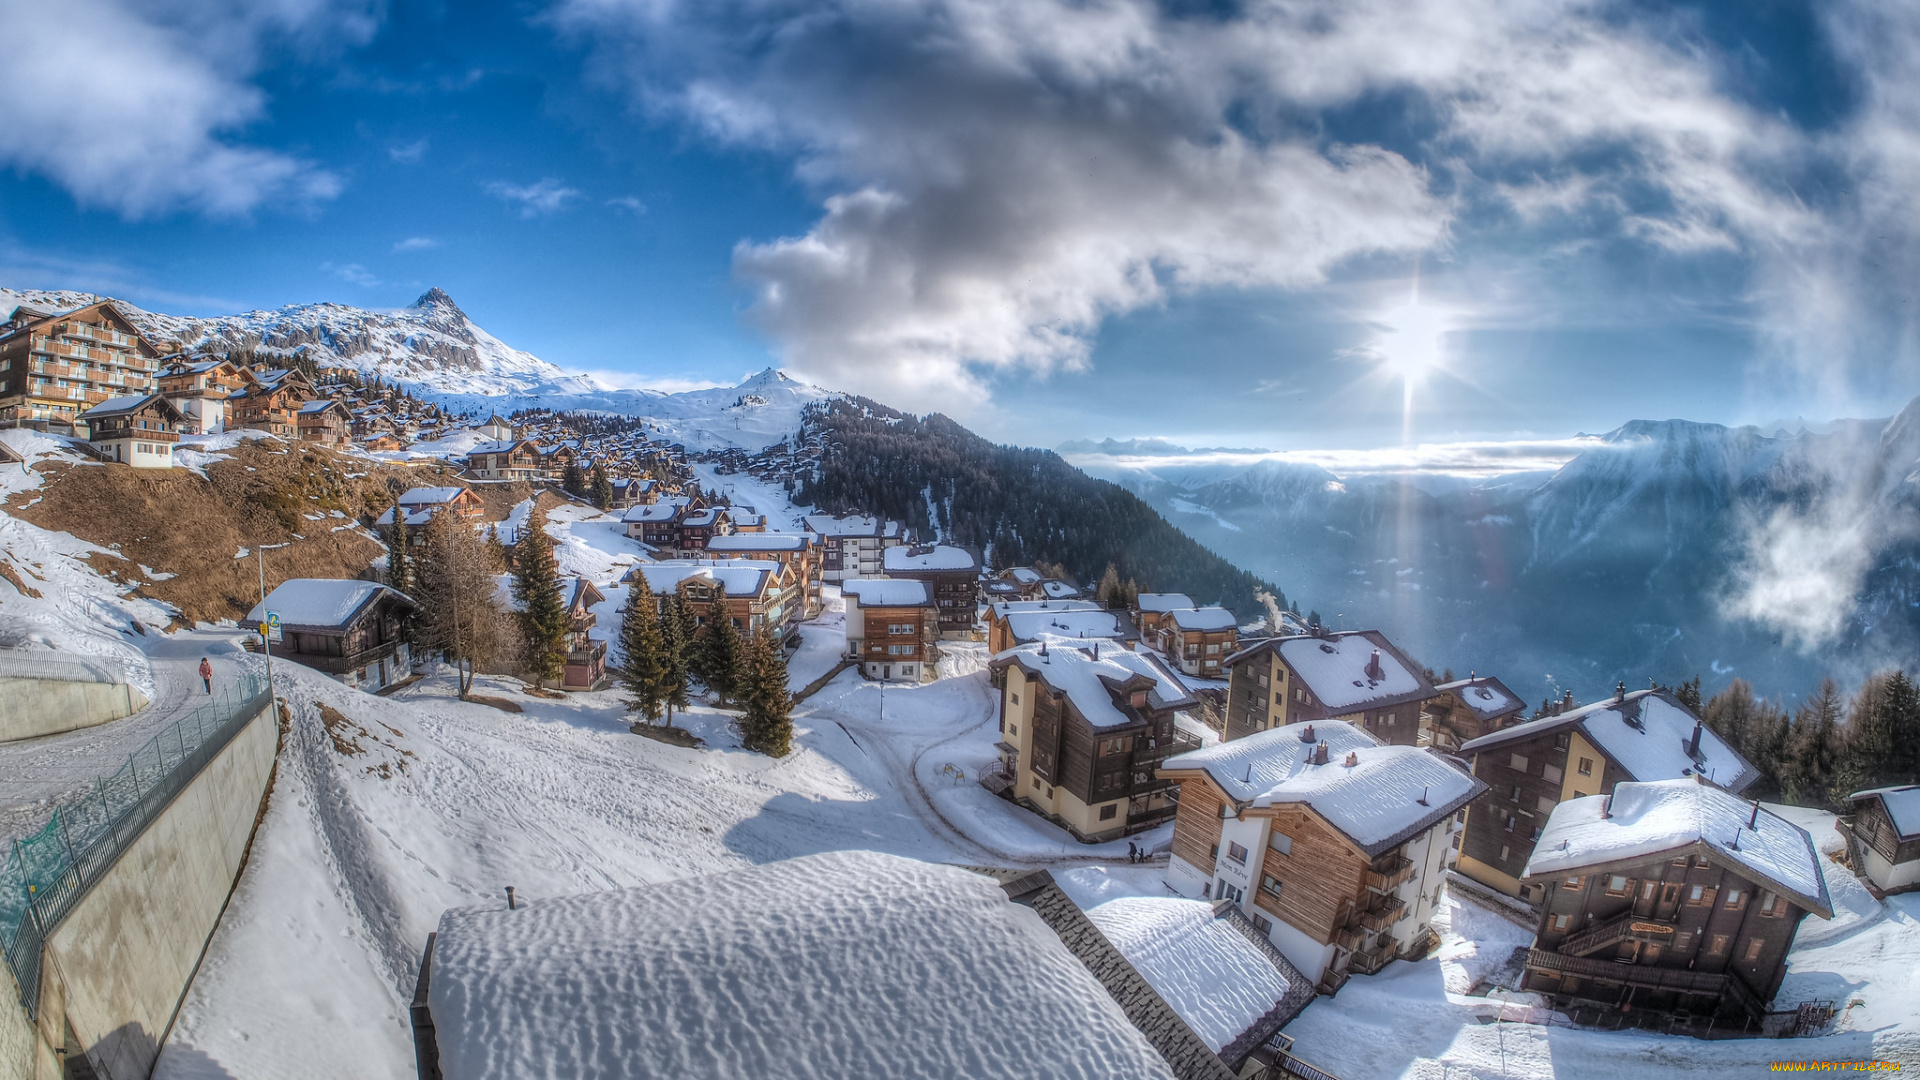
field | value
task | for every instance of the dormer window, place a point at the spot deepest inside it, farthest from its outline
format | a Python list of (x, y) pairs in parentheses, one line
[(1139, 699)]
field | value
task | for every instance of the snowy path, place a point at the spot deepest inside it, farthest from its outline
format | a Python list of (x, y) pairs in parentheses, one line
[(33, 772)]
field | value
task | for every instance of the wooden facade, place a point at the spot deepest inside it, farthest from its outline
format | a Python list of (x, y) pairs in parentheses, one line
[(955, 588), (1883, 851), (1265, 690), (138, 431), (271, 402), (326, 422), (55, 366), (586, 667), (201, 386), (1466, 710)]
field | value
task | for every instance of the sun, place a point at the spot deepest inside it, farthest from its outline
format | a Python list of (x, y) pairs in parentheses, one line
[(1412, 341)]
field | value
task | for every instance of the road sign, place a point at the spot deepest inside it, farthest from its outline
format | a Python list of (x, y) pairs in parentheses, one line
[(271, 628)]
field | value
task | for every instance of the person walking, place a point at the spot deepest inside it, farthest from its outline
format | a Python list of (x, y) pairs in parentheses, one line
[(206, 673)]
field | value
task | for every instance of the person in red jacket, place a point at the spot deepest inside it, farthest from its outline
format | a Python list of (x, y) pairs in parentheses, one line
[(206, 673)]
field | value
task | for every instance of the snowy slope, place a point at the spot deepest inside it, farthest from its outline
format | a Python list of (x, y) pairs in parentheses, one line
[(437, 353)]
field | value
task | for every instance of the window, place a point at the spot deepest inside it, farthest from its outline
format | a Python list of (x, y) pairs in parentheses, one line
[(1278, 698), (1682, 940), (1389, 720), (1511, 822), (1719, 944), (1107, 812), (1561, 741), (1544, 804), (1504, 852), (1773, 906), (901, 628), (1013, 729), (1551, 772), (1586, 766), (1281, 843), (1617, 885), (1646, 891), (1536, 834), (1753, 950), (1736, 899), (1515, 794), (1016, 699), (1572, 884), (1560, 921), (1269, 884), (1518, 763), (1697, 895), (1263, 924), (899, 650), (1236, 852)]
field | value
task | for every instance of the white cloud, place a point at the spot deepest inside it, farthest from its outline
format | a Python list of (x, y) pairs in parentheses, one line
[(140, 108), (352, 274), (415, 243), (545, 196), (1479, 460), (628, 203), (408, 153), (999, 177)]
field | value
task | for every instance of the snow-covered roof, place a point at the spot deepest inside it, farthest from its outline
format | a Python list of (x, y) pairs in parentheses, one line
[(1059, 590), (319, 406), (760, 542), (854, 525), (1902, 805), (1157, 602), (1199, 960), (498, 446), (430, 496), (887, 592), (319, 603), (1206, 618), (412, 518), (1085, 671), (1641, 821), (1096, 623), (1004, 608), (660, 511), (1339, 670), (1025, 575), (1375, 802), (852, 965), (742, 577), (1646, 733), (113, 406), (901, 559), (1487, 696)]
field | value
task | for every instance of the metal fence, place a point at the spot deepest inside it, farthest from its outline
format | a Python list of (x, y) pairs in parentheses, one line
[(45, 875)]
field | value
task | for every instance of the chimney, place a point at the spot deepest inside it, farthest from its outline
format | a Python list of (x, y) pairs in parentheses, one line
[(1319, 754), (1606, 807), (1307, 735), (1353, 758), (1422, 800), (1693, 744), (1620, 691), (1753, 819), (510, 904), (1566, 702), (1096, 650), (1374, 671)]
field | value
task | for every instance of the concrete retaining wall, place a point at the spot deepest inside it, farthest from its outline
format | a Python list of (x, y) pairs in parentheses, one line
[(30, 708), (118, 967)]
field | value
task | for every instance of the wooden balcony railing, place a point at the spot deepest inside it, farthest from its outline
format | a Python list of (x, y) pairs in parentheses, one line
[(1389, 871)]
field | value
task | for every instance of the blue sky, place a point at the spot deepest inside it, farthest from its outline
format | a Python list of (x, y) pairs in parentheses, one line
[(1053, 220)]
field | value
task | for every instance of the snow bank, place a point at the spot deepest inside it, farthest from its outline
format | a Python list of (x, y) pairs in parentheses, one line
[(839, 966)]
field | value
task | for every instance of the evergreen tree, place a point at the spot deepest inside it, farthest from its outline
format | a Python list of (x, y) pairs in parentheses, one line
[(720, 648), (1689, 694), (644, 668), (1902, 705), (601, 487), (676, 634), (497, 551), (573, 481), (1813, 749), (544, 622), (399, 563), (767, 725)]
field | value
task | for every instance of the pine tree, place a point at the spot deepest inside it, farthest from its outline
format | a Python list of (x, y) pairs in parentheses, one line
[(544, 622), (1869, 733), (1813, 749), (767, 725), (1902, 706), (497, 551), (676, 634), (399, 564), (572, 480), (720, 648), (601, 487), (644, 668), (1688, 694)]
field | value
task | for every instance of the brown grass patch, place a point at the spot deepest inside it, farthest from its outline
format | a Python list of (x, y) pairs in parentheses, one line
[(672, 736), (344, 732), (13, 578), (494, 702), (177, 523)]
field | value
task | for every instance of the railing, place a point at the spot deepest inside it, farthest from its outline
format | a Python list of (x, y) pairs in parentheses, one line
[(1368, 961), (1614, 930), (1388, 871), (1728, 986), (44, 876), (1382, 913)]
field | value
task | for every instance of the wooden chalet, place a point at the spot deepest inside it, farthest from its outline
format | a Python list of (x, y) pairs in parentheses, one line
[(385, 441), (271, 402), (1533, 767), (350, 630), (56, 365), (1465, 710), (1354, 676), (1198, 640), (507, 459), (200, 386), (586, 667), (759, 594), (890, 627), (1333, 843), (951, 574), (139, 430), (1018, 622), (1882, 829), (326, 421), (417, 506), (1674, 896), (1150, 609), (851, 546), (1083, 729)]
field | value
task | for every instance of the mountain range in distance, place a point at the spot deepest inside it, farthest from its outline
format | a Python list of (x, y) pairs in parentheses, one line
[(1660, 550)]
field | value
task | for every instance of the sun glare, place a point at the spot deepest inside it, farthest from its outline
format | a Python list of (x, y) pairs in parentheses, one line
[(1411, 344)]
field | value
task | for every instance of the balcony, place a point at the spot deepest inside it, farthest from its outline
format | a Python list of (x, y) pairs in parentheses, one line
[(1381, 912), (1728, 988), (1388, 871), (1350, 938), (1368, 961), (1626, 927)]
